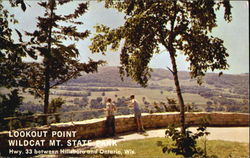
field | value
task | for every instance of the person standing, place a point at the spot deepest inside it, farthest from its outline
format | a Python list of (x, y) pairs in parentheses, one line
[(110, 120), (134, 103)]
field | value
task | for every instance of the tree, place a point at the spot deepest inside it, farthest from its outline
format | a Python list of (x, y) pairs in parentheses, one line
[(12, 66), (8, 105), (179, 26), (103, 94), (60, 61), (209, 103), (11, 51), (54, 107)]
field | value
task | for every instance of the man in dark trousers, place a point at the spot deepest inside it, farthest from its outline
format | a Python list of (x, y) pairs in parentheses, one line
[(110, 121)]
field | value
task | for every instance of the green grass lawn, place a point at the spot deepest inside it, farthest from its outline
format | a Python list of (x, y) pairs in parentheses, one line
[(147, 148)]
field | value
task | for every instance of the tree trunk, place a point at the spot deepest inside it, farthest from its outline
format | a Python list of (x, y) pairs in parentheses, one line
[(178, 91), (47, 67), (46, 93)]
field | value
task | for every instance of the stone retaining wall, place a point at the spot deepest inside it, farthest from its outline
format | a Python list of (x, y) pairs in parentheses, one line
[(95, 128)]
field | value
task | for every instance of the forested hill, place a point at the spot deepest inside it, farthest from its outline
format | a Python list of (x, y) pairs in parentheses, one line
[(110, 77), (105, 77)]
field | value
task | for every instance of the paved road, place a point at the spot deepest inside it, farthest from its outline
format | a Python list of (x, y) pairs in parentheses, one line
[(237, 134)]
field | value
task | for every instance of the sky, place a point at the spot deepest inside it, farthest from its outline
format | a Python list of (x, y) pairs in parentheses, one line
[(234, 34)]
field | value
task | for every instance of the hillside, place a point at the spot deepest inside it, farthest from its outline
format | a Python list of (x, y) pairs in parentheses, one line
[(160, 78), (226, 93), (106, 77)]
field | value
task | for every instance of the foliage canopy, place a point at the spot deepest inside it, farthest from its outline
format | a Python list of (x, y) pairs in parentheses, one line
[(179, 26), (60, 61)]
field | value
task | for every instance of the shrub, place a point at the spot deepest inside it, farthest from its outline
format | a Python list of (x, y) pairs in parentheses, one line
[(184, 144)]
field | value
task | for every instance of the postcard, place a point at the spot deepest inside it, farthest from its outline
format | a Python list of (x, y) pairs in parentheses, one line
[(132, 79)]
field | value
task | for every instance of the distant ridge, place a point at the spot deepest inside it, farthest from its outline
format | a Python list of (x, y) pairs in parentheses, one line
[(109, 76)]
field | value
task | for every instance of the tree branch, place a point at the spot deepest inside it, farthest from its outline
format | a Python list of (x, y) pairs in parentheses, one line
[(171, 70), (65, 80)]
